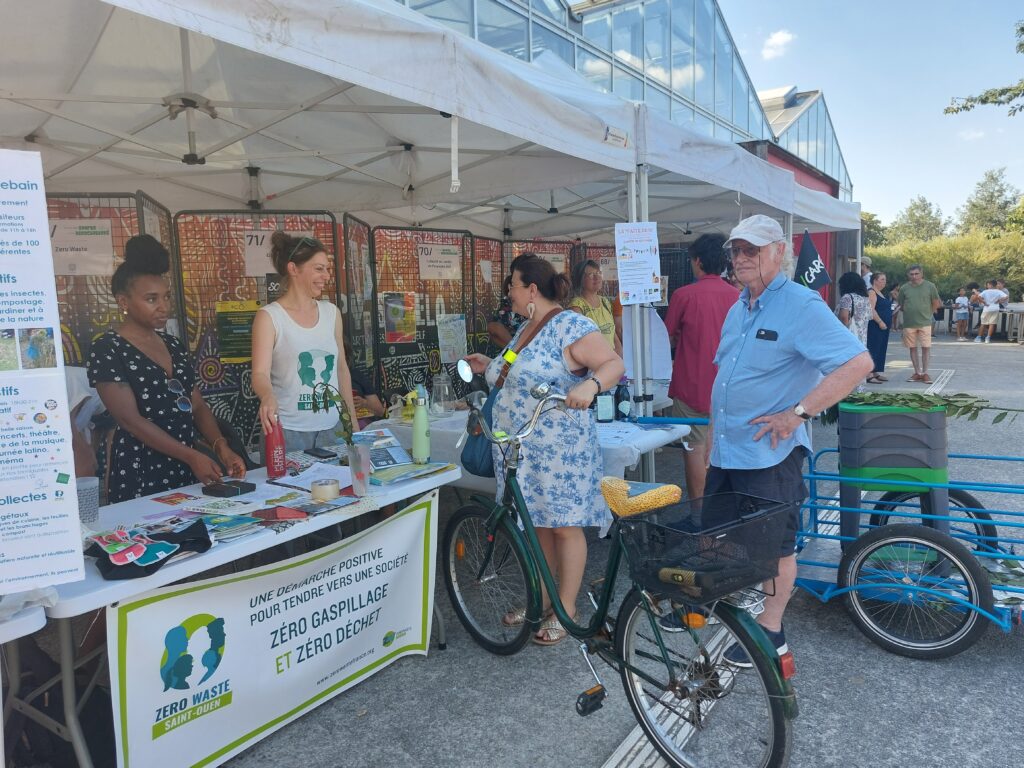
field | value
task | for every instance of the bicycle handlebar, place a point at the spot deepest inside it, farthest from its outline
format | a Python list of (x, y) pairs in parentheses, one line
[(540, 392)]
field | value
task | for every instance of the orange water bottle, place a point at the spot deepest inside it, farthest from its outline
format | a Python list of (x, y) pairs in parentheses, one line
[(274, 451)]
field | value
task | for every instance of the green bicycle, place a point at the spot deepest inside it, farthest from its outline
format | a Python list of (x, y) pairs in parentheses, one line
[(690, 581)]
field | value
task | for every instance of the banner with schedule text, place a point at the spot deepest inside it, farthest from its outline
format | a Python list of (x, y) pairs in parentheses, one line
[(40, 533), (201, 671)]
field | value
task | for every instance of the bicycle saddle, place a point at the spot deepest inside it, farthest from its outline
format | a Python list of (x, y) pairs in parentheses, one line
[(627, 498)]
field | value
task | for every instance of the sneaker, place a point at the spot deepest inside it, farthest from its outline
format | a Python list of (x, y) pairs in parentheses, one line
[(736, 656), (988, 339), (977, 339)]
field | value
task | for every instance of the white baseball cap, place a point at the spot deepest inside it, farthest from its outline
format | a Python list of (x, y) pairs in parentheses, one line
[(757, 230)]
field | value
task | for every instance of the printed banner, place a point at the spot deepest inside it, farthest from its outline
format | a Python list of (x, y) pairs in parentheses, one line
[(82, 247), (234, 330), (40, 534), (256, 250), (609, 269), (201, 671), (638, 262), (440, 262)]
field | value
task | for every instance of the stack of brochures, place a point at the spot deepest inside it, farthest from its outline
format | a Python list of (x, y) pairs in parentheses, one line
[(400, 472), (385, 450)]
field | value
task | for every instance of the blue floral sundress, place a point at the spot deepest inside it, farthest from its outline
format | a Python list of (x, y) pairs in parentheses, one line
[(561, 470)]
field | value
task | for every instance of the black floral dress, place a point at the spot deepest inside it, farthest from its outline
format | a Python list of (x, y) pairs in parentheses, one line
[(136, 469)]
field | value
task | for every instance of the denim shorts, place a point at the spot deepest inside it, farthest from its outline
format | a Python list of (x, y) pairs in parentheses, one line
[(782, 482)]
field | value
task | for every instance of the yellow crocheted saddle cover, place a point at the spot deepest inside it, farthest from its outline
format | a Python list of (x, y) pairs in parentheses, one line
[(626, 498)]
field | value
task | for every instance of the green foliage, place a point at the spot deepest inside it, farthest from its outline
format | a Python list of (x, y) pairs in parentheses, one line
[(1015, 220), (1005, 95), (989, 206), (951, 262), (872, 228), (961, 404), (920, 220)]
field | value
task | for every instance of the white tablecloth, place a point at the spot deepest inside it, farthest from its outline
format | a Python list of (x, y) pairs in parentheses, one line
[(622, 444)]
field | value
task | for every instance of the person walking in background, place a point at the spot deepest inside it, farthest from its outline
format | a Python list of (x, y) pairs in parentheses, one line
[(991, 299), (854, 309), (783, 358), (894, 303), (694, 322), (865, 271), (961, 313), (588, 301), (918, 299), (878, 328)]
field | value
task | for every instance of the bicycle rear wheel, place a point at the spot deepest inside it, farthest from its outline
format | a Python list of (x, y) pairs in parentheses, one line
[(487, 583), (705, 711)]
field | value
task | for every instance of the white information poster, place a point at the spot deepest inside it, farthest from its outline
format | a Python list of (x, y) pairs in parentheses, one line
[(556, 260), (201, 671), (638, 262), (451, 337), (40, 535), (151, 221), (82, 247), (256, 250), (440, 262)]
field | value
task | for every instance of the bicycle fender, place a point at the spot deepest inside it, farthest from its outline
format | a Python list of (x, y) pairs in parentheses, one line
[(763, 646)]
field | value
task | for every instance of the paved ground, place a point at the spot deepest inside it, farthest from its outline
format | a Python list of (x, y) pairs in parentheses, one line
[(860, 706)]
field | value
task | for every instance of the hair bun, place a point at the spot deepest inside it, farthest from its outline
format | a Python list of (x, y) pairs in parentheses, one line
[(145, 255)]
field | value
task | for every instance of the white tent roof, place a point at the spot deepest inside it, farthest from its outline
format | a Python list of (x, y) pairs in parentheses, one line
[(819, 212), (301, 91)]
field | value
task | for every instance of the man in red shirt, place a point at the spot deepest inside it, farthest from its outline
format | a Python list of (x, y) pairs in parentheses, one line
[(696, 313)]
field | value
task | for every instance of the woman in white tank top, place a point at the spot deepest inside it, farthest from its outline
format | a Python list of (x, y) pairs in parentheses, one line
[(297, 344)]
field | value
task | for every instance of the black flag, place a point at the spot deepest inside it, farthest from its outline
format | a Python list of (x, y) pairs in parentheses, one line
[(810, 269)]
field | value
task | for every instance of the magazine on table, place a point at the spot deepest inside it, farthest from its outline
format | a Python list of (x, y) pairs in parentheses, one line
[(400, 472), (385, 450)]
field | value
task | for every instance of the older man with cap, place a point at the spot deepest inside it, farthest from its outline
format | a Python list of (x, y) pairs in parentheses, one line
[(783, 357)]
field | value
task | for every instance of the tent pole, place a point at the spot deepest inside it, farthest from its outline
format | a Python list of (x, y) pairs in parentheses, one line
[(643, 379), (859, 251)]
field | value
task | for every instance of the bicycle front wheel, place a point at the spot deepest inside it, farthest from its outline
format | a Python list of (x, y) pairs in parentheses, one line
[(487, 584), (698, 710)]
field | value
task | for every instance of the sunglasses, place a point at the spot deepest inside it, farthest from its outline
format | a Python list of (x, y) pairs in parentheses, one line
[(302, 241), (747, 251), (184, 403)]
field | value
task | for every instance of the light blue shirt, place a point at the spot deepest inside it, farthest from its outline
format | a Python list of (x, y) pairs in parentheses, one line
[(771, 356)]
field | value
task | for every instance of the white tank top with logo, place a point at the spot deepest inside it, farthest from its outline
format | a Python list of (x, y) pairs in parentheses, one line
[(303, 358)]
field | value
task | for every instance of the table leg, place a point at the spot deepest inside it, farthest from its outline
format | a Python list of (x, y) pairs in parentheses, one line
[(67, 682), (13, 655), (442, 636)]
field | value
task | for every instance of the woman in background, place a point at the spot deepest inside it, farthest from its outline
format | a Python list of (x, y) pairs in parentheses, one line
[(588, 301), (148, 384), (297, 345), (878, 328)]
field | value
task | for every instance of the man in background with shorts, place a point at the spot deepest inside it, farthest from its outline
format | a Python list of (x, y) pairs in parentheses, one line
[(991, 299), (919, 300), (694, 322)]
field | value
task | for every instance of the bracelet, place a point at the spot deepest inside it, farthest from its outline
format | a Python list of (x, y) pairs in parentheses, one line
[(219, 439), (597, 381)]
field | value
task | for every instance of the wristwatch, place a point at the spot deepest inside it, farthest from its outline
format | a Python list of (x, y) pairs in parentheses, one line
[(800, 411)]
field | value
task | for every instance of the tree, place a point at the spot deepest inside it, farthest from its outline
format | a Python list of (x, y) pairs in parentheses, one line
[(989, 206), (918, 221), (1015, 221), (872, 229), (1005, 95)]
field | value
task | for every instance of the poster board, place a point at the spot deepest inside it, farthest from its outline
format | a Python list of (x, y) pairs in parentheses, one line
[(40, 533), (234, 330), (201, 671), (638, 262), (82, 247)]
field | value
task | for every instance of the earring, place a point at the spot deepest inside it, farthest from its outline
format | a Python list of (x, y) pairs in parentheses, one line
[(530, 309)]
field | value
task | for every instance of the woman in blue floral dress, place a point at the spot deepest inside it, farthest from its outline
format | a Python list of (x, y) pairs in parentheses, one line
[(561, 468)]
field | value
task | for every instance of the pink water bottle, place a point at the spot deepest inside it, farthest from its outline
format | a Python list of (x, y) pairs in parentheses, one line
[(274, 451)]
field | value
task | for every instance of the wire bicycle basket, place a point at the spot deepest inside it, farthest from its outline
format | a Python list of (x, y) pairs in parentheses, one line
[(701, 550)]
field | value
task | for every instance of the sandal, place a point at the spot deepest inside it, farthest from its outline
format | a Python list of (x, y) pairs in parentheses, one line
[(880, 377), (550, 632), (517, 617), (873, 380), (925, 379)]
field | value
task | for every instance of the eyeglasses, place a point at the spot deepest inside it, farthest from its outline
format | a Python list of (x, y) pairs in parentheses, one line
[(747, 251), (184, 404)]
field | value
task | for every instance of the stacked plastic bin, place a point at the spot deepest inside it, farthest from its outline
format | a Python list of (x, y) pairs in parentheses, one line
[(891, 443)]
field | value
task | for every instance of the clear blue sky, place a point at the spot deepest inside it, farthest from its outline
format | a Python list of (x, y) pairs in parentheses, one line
[(887, 70)]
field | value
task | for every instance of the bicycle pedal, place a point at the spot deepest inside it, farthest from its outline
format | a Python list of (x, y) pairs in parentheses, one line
[(591, 700)]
